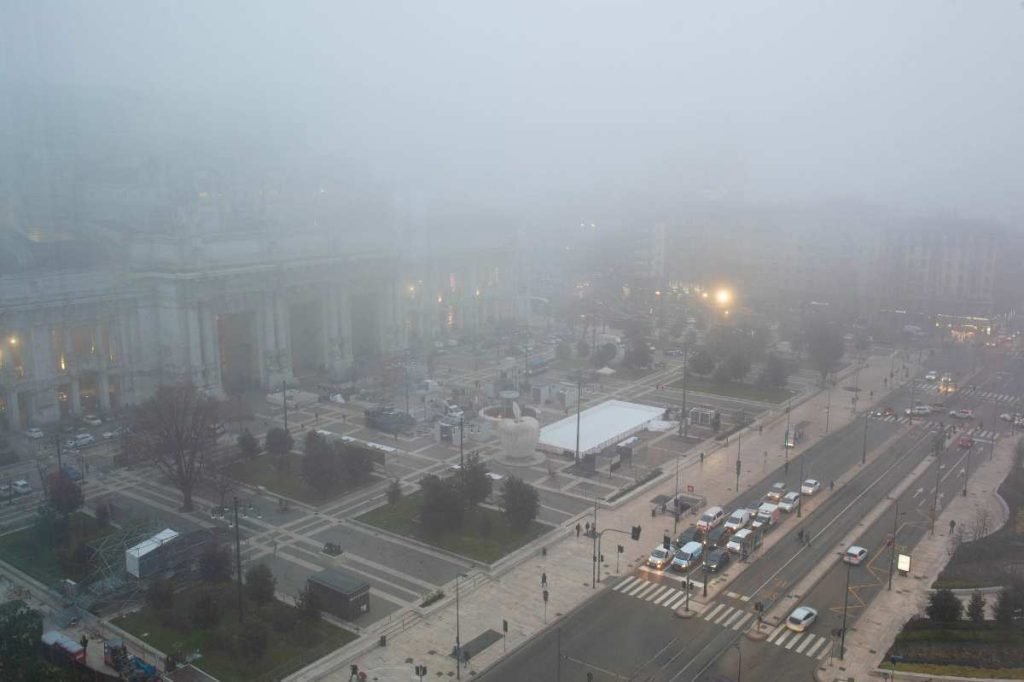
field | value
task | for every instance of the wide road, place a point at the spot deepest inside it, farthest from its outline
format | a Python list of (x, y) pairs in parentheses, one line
[(618, 636)]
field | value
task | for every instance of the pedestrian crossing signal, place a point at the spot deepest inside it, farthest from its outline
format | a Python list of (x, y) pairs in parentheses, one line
[(634, 532), (666, 542)]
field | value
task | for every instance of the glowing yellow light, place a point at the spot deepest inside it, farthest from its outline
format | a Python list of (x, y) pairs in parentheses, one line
[(657, 293), (14, 340), (723, 296), (726, 313), (477, 292), (412, 288), (440, 299), (704, 294)]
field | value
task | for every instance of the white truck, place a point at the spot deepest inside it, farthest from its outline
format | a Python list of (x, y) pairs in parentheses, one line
[(768, 515)]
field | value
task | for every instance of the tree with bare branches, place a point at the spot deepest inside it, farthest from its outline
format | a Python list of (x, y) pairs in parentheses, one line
[(174, 429)]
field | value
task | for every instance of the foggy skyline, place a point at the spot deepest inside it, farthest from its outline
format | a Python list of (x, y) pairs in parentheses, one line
[(911, 105)]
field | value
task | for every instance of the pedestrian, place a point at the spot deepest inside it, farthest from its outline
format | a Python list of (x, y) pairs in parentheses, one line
[(786, 466), (701, 456), (84, 642), (760, 429), (544, 579), (273, 544), (577, 530), (831, 486), (588, 527)]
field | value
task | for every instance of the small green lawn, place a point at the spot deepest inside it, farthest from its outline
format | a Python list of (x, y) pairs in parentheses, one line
[(221, 656), (35, 552), (485, 535), (763, 394), (290, 483)]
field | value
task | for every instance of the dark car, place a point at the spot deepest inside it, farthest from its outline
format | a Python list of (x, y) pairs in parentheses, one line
[(691, 534), (718, 560), (718, 537), (72, 472)]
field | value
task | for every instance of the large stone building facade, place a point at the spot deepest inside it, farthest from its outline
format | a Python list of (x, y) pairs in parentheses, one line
[(230, 312)]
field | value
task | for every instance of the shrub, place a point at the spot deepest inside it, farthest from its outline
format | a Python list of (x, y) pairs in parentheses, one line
[(944, 607), (976, 608), (205, 611)]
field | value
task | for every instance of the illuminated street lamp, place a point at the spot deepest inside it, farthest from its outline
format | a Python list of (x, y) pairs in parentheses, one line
[(723, 297)]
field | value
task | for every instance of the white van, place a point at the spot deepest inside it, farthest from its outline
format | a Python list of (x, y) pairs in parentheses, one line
[(711, 518), (738, 520), (738, 539)]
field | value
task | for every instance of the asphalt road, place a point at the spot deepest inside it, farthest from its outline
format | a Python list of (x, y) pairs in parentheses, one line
[(621, 637)]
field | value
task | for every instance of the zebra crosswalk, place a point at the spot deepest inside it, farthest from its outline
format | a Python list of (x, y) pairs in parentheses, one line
[(658, 594), (991, 396), (804, 643)]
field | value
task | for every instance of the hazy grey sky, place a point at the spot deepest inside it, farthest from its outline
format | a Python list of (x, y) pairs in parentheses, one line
[(913, 103)]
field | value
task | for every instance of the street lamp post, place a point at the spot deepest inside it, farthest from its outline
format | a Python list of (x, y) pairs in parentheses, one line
[(967, 468), (828, 403), (864, 447), (458, 633), (892, 552), (939, 442), (800, 499), (846, 601), (739, 668)]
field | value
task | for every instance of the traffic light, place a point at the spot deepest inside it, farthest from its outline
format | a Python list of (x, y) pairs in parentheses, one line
[(545, 596), (666, 542), (504, 625), (621, 549), (634, 532)]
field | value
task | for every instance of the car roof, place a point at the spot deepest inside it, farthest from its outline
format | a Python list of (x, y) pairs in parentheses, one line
[(812, 481), (691, 547), (659, 548), (802, 612), (856, 549), (711, 510), (792, 494), (742, 533), (741, 512), (718, 552)]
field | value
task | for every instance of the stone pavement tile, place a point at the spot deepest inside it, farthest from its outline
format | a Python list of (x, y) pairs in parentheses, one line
[(516, 595)]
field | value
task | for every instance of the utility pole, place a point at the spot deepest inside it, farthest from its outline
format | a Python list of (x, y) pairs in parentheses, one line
[(828, 403), (284, 401), (939, 442), (238, 561), (967, 468), (800, 500), (864, 448), (785, 441), (458, 633), (846, 601), (683, 422), (892, 552), (739, 442), (462, 458)]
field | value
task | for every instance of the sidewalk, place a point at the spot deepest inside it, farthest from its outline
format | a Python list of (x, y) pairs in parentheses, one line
[(516, 596), (867, 643)]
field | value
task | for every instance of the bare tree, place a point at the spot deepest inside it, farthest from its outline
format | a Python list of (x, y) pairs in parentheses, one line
[(982, 521), (174, 429)]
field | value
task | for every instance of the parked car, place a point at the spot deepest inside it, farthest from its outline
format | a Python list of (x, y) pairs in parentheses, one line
[(660, 558), (737, 520), (790, 501), (34, 433), (717, 560), (688, 557), (801, 618), (855, 555), (962, 413), (92, 420), (931, 376), (711, 518), (810, 487), (81, 440), (21, 487)]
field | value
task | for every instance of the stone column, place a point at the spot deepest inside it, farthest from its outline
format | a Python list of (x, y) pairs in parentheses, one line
[(284, 345), (71, 367), (335, 341), (44, 372), (195, 353), (102, 369), (211, 351), (13, 410), (345, 328)]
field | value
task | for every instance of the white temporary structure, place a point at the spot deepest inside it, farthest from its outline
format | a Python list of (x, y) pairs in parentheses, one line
[(141, 559), (600, 426)]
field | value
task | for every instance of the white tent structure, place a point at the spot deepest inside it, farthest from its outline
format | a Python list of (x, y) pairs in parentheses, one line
[(600, 426)]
